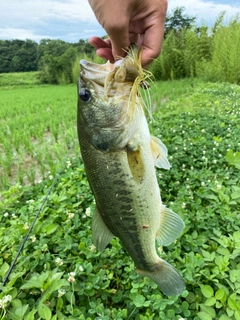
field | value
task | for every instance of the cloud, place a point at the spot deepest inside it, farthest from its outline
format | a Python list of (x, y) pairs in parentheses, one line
[(71, 20), (206, 11), (19, 33)]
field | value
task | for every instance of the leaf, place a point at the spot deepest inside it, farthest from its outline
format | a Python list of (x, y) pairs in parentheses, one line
[(219, 295), (51, 228), (232, 302), (210, 302), (138, 300), (208, 310), (57, 284), (237, 315), (31, 283), (30, 315), (207, 291), (44, 312), (20, 311), (233, 158), (4, 269), (235, 195), (204, 316), (224, 317)]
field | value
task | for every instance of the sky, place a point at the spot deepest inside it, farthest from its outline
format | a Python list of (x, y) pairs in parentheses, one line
[(71, 20)]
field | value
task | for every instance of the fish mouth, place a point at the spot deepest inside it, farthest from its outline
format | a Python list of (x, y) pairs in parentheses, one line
[(121, 76)]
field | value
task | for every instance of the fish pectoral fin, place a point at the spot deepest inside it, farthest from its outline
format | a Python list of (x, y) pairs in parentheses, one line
[(101, 235), (159, 153), (171, 225), (166, 277)]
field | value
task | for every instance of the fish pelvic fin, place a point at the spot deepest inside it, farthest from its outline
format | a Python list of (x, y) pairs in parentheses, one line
[(159, 153), (101, 235), (166, 277), (136, 164), (171, 226)]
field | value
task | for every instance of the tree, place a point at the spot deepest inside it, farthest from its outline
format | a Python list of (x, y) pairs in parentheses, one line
[(178, 21)]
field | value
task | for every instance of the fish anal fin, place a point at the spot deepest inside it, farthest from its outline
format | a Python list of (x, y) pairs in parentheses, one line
[(171, 226), (101, 235), (166, 277), (159, 153)]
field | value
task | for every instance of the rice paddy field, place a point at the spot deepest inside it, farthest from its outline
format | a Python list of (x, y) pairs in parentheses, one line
[(59, 274)]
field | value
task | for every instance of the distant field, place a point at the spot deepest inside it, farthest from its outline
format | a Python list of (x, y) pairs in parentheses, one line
[(38, 127), (9, 80)]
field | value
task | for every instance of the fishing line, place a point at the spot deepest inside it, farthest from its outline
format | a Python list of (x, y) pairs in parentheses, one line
[(33, 223)]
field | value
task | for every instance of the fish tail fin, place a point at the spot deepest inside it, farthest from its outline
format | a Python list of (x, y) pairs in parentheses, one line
[(166, 277)]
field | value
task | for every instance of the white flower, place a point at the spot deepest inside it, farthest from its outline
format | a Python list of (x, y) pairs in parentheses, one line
[(203, 184), (219, 186), (81, 268), (71, 277), (50, 177), (61, 292), (8, 298), (68, 164), (33, 238), (203, 130), (92, 247), (160, 249), (214, 161), (6, 214), (183, 205), (70, 215), (14, 216), (5, 300), (26, 226), (88, 212), (59, 261)]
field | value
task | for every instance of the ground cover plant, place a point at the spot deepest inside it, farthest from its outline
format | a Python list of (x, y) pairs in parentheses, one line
[(60, 275)]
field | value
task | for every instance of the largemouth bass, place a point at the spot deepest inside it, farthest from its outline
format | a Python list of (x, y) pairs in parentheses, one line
[(119, 155)]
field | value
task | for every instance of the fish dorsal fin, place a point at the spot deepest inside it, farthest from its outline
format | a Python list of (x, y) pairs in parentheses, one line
[(171, 225), (101, 235), (159, 152)]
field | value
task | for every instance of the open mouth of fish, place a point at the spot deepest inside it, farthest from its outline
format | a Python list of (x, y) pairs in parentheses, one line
[(122, 77)]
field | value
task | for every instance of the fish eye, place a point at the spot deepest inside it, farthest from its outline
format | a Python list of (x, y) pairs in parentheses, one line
[(85, 95)]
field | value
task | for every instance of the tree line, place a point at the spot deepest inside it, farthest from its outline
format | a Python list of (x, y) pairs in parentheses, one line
[(187, 51), (27, 55)]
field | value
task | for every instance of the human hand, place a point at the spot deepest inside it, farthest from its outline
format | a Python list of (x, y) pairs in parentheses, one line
[(130, 21)]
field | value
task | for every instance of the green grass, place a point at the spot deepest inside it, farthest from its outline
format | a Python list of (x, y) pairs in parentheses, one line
[(15, 79), (199, 123), (39, 127)]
